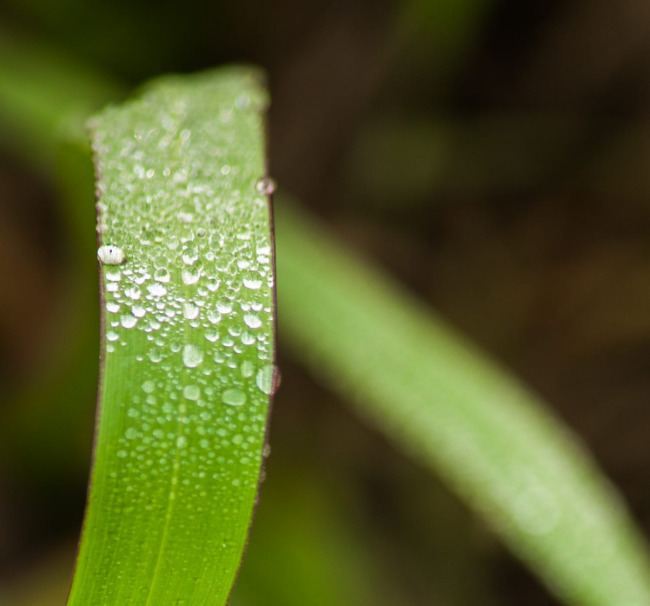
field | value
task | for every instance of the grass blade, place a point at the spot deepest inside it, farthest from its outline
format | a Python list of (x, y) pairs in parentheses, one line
[(45, 96), (188, 342), (442, 402)]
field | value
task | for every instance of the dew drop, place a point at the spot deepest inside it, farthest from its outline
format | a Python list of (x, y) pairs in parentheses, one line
[(128, 321), (185, 217), (162, 275), (224, 308), (157, 290), (109, 254), (133, 293), (233, 397), (148, 386), (190, 311), (112, 335), (247, 368), (252, 321), (192, 356), (112, 308), (265, 186), (253, 284), (264, 379), (192, 392), (190, 257), (190, 278)]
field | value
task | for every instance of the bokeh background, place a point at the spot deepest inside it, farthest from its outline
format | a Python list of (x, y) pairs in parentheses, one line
[(493, 155)]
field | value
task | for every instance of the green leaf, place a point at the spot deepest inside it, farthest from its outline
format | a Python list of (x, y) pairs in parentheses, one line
[(45, 97), (442, 402), (187, 342)]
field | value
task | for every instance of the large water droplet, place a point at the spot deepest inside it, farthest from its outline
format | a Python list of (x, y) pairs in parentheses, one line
[(192, 356), (162, 275), (190, 278), (252, 321), (133, 293), (128, 321), (247, 368), (157, 289), (233, 397), (191, 392), (265, 186), (264, 379), (109, 254), (190, 311)]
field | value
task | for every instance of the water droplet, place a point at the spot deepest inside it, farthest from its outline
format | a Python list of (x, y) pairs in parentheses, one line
[(264, 379), (112, 335), (252, 321), (148, 386), (133, 293), (184, 217), (109, 254), (190, 311), (253, 284), (192, 392), (128, 321), (157, 290), (190, 278), (161, 275), (247, 368), (214, 316), (224, 308), (181, 442), (192, 356), (242, 101), (190, 256), (265, 186), (233, 397), (112, 308)]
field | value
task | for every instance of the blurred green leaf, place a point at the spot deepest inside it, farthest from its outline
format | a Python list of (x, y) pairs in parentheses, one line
[(442, 402), (303, 551), (187, 342), (45, 96)]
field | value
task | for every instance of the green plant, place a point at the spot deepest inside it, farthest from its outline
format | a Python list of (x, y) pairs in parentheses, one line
[(186, 248)]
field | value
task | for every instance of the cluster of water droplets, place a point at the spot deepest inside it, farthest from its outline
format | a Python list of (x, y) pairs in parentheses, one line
[(188, 286)]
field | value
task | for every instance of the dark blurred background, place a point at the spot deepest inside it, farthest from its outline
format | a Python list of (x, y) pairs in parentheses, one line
[(494, 155)]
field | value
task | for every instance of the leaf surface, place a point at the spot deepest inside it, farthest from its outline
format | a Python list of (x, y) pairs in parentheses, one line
[(187, 340), (441, 401)]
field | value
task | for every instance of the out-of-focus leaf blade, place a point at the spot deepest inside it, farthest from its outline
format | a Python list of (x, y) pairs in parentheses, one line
[(187, 342), (442, 402), (45, 97)]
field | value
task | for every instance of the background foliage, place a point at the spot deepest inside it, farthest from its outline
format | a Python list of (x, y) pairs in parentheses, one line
[(490, 154)]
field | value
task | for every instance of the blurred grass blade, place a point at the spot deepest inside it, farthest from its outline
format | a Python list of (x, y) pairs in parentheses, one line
[(45, 95), (188, 342), (443, 403)]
